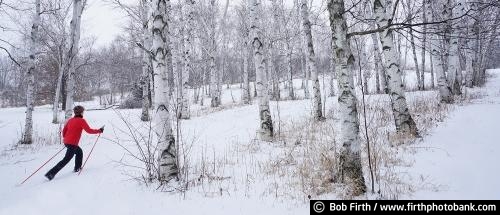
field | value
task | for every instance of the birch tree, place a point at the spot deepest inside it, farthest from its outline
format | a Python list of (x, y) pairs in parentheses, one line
[(146, 41), (413, 45), (454, 71), (469, 55), (167, 159), (436, 56), (404, 122), (244, 34), (350, 168), (245, 94), (311, 62), (58, 38), (187, 57), (71, 57), (214, 73), (274, 51), (424, 44), (288, 31), (266, 125), (380, 81), (30, 75)]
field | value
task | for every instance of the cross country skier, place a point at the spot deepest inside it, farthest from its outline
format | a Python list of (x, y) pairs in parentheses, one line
[(71, 137)]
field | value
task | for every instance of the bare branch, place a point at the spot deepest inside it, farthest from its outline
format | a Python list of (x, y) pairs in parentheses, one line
[(404, 25), (10, 56)]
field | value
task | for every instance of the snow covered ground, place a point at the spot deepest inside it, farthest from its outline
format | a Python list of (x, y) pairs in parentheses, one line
[(457, 160), (460, 157)]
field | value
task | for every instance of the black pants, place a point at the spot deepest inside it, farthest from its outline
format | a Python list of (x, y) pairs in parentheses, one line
[(70, 151)]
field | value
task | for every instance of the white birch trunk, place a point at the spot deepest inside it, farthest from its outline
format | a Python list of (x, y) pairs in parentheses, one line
[(431, 59), (333, 71), (477, 49), (381, 85), (305, 66), (415, 61), (167, 159), (145, 59), (425, 10), (214, 88), (444, 91), (438, 68), (73, 51), (402, 117), (377, 59), (55, 106), (245, 95), (454, 71), (30, 75), (469, 56), (187, 57), (291, 93), (275, 52), (266, 125), (413, 46), (311, 62), (350, 167)]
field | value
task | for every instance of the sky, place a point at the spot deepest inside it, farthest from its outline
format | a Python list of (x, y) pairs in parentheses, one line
[(103, 21)]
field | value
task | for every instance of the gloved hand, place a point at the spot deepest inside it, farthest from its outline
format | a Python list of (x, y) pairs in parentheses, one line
[(101, 129)]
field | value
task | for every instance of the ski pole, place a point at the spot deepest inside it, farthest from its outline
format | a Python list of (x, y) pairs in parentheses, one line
[(42, 166), (89, 154)]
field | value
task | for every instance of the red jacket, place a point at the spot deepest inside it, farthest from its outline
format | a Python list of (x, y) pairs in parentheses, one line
[(73, 130)]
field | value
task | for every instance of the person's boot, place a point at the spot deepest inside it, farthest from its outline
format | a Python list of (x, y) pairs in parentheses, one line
[(49, 176), (77, 169)]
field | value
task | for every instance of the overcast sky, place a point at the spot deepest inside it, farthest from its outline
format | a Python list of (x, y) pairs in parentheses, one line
[(104, 21)]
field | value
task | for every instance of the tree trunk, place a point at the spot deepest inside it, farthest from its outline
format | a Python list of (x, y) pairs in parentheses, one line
[(477, 50), (73, 51), (266, 124), (55, 106), (402, 117), (145, 60), (350, 168), (425, 10), (377, 60), (311, 62), (30, 75), (214, 94), (167, 159), (245, 94), (291, 94), (444, 91), (454, 71), (333, 71), (413, 46), (187, 60), (433, 86), (415, 61)]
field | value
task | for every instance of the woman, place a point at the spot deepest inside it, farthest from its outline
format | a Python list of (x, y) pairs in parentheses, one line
[(71, 137)]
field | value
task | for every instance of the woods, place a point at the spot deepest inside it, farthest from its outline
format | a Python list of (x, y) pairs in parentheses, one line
[(174, 56)]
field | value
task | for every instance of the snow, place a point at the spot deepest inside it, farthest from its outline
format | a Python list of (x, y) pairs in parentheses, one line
[(457, 160), (461, 155)]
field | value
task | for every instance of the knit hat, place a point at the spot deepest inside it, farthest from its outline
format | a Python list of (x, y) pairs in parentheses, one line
[(78, 110)]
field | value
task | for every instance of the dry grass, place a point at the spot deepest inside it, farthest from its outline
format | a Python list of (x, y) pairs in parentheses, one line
[(306, 158)]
